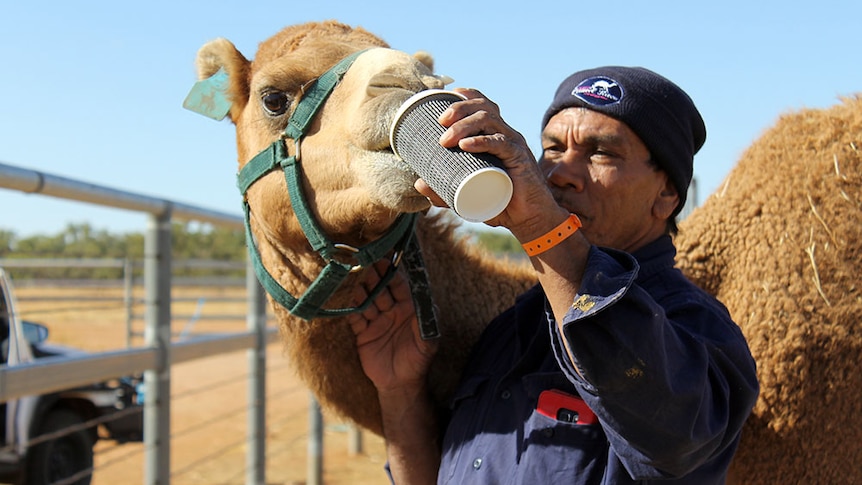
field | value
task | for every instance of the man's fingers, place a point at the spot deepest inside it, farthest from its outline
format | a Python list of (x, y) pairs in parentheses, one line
[(422, 187), (357, 322)]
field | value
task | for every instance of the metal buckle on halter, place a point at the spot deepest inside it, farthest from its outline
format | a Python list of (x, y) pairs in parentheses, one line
[(397, 256), (284, 139), (350, 250)]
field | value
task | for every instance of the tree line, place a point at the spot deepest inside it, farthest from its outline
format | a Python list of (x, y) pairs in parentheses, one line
[(82, 241), (188, 242)]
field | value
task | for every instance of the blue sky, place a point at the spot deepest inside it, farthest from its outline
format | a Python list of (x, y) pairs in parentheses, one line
[(93, 90)]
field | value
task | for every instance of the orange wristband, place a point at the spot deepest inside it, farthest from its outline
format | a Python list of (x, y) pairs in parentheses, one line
[(553, 237)]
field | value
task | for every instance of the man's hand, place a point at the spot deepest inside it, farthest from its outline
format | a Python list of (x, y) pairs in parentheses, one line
[(392, 353), (396, 359), (475, 125)]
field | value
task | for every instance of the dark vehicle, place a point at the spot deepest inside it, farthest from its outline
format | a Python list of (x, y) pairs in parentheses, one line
[(50, 437)]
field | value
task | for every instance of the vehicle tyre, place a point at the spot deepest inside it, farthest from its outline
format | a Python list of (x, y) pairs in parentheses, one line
[(63, 457)]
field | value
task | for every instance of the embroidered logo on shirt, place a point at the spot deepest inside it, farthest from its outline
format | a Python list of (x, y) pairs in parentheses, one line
[(584, 303), (634, 373), (637, 371)]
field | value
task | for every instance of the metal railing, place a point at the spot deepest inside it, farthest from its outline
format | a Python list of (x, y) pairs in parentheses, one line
[(159, 352), (127, 280)]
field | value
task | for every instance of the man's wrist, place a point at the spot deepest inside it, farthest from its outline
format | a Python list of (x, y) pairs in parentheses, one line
[(539, 225), (553, 237)]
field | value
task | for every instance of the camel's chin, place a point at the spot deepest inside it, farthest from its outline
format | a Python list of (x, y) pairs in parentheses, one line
[(389, 182), (413, 204), (401, 200)]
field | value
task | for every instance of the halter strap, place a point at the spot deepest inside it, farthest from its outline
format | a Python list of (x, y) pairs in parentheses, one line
[(397, 239)]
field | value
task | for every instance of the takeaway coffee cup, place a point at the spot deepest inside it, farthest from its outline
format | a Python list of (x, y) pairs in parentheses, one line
[(473, 184)]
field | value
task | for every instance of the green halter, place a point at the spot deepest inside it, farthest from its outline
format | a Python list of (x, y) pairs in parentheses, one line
[(398, 239)]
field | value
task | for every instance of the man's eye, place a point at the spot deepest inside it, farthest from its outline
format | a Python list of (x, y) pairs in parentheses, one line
[(602, 155), (275, 102)]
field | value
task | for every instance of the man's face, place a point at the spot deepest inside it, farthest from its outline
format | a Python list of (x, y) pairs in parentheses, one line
[(599, 169)]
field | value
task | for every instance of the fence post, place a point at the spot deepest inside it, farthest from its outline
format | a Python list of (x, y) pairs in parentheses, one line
[(315, 443), (128, 297), (256, 322), (354, 440), (157, 405)]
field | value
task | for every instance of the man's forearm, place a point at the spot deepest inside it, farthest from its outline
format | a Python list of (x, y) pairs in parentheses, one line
[(411, 430)]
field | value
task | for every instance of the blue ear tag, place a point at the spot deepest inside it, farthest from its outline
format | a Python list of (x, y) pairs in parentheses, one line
[(207, 96)]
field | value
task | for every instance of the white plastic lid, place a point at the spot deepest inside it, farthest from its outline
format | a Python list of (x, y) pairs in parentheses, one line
[(483, 195)]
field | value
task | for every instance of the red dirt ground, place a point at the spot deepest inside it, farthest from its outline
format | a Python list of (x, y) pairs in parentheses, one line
[(208, 405)]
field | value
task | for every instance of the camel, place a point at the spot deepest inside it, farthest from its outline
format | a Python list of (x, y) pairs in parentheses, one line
[(350, 191), (779, 243), (356, 190)]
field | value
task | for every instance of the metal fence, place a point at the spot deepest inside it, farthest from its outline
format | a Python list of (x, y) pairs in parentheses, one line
[(129, 283), (159, 352)]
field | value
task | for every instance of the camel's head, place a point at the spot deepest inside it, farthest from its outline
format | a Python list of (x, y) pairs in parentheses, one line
[(355, 186)]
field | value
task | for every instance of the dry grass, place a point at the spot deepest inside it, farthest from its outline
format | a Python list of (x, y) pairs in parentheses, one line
[(208, 405)]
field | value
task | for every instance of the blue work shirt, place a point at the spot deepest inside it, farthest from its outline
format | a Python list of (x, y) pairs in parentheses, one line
[(659, 385)]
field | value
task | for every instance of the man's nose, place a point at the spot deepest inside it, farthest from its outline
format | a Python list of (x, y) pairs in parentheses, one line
[(568, 172)]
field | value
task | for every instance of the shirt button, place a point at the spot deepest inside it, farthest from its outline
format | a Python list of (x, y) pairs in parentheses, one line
[(477, 463), (548, 432), (505, 395)]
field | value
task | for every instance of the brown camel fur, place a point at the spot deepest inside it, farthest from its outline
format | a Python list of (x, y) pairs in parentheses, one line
[(778, 244)]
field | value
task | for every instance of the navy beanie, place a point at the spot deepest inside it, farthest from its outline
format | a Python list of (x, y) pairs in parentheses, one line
[(657, 110)]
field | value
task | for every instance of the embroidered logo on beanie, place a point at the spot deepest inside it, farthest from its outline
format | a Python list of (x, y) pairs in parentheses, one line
[(598, 91)]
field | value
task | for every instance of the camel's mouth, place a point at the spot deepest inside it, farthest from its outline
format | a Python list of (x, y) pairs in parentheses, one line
[(395, 162), (390, 182)]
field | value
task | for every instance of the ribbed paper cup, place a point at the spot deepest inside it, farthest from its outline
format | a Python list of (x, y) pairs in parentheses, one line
[(473, 184)]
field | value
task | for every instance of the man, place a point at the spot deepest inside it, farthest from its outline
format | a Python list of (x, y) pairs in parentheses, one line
[(615, 368)]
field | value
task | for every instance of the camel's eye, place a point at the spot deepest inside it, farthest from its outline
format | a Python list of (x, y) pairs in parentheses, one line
[(275, 102)]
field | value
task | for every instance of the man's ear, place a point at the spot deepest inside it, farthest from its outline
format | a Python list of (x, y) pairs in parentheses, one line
[(666, 201), (222, 88)]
